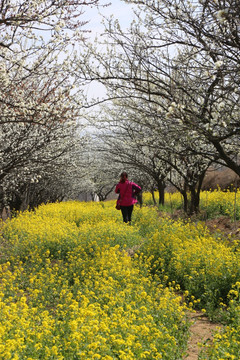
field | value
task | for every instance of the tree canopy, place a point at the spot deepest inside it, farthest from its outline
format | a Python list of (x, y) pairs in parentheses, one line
[(172, 95)]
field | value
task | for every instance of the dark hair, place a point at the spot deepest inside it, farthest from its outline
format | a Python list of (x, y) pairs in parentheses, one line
[(124, 174)]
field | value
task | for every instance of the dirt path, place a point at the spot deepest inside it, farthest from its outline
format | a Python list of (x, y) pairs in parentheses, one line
[(201, 331)]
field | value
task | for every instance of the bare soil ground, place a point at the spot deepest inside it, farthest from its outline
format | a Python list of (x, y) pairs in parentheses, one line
[(201, 331), (224, 226)]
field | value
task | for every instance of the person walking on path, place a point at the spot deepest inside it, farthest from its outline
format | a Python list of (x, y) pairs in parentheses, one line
[(127, 191)]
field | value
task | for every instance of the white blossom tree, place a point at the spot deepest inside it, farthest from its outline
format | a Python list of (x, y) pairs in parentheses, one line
[(39, 108), (139, 137), (101, 173), (187, 53)]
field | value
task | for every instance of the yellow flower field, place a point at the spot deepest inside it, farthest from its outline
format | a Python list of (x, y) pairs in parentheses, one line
[(70, 290), (212, 203)]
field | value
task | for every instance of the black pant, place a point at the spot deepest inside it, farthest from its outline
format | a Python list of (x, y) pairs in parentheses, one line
[(127, 213)]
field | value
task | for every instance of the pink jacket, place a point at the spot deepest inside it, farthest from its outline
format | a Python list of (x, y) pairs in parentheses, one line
[(127, 193)]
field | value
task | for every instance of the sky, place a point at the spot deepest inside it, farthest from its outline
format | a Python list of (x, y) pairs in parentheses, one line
[(121, 11)]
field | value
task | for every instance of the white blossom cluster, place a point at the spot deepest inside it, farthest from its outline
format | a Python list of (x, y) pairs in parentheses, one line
[(174, 76), (39, 109)]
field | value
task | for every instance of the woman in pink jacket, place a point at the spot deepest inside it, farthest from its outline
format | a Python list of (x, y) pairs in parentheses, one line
[(127, 191)]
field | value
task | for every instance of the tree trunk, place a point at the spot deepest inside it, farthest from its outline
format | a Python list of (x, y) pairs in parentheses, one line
[(161, 188), (25, 199), (194, 202), (153, 197), (140, 199), (100, 196), (185, 197), (185, 200), (195, 195)]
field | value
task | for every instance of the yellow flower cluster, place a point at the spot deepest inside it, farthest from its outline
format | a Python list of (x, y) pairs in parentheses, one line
[(221, 202), (206, 266), (171, 200), (213, 203), (69, 290), (188, 254), (226, 342)]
